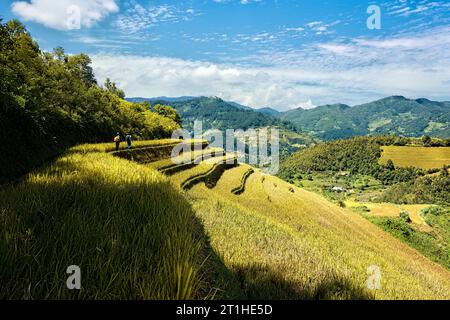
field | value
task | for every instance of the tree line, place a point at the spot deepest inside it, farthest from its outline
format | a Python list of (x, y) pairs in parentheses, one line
[(51, 100)]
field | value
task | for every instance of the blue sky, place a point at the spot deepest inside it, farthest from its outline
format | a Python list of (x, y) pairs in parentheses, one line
[(281, 54)]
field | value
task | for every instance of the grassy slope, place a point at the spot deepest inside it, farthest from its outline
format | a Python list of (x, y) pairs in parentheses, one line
[(420, 157), (280, 244), (273, 241), (130, 231)]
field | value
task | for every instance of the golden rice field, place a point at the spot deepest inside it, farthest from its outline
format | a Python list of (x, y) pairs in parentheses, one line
[(392, 210), (286, 243), (138, 235), (419, 157), (129, 230)]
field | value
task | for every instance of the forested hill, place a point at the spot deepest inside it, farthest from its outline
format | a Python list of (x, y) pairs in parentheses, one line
[(393, 115), (219, 114), (50, 101)]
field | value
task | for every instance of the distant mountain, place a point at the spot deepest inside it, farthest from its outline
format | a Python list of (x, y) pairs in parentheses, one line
[(175, 99), (393, 115), (269, 111), (219, 114), (240, 106), (216, 113)]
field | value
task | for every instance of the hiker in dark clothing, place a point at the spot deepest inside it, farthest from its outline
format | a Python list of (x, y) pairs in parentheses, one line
[(117, 140), (129, 141)]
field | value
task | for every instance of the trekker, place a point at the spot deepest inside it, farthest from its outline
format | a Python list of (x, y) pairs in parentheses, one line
[(117, 140), (129, 140)]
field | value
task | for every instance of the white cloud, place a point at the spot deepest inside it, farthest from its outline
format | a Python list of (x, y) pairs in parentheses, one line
[(139, 18), (279, 87), (353, 72), (61, 14)]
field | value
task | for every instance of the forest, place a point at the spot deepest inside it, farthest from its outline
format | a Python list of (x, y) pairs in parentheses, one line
[(50, 101)]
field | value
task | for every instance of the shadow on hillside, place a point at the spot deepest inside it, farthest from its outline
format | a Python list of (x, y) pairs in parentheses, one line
[(130, 236), (258, 282), (262, 283), (121, 231)]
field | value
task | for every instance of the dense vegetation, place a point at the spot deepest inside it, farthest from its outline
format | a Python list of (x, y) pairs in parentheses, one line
[(435, 244), (49, 101), (358, 155), (392, 115), (427, 189)]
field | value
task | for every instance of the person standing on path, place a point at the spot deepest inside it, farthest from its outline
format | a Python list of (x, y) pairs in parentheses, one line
[(117, 140), (129, 140)]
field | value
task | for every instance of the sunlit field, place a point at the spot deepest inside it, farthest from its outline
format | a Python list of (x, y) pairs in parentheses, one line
[(419, 157), (393, 211), (286, 243), (137, 234), (132, 234)]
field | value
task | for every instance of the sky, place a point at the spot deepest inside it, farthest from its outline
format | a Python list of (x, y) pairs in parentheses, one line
[(282, 54)]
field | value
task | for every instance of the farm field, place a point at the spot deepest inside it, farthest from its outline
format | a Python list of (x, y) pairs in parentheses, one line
[(419, 157), (393, 211), (285, 242), (272, 241), (282, 242), (132, 233)]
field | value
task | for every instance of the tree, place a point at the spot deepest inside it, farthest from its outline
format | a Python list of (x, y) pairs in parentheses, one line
[(59, 53), (444, 171), (81, 65), (168, 112), (50, 101), (390, 165), (426, 140), (112, 87)]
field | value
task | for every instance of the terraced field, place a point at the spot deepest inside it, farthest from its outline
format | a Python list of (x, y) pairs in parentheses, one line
[(393, 211), (419, 157), (212, 229), (282, 242)]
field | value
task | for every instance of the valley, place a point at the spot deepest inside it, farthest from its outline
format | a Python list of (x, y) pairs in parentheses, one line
[(360, 208)]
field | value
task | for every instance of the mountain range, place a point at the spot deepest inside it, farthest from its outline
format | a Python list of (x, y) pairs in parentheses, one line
[(392, 115)]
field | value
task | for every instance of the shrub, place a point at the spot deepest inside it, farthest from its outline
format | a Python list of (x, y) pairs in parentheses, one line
[(405, 216)]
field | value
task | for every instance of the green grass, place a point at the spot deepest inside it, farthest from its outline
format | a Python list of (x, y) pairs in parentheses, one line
[(132, 234), (419, 157), (434, 245)]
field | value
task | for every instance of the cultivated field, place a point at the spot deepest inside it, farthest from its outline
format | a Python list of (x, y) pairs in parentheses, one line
[(419, 157), (130, 231), (136, 236), (393, 211), (279, 241)]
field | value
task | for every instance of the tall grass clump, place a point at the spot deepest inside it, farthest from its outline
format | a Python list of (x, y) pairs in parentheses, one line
[(124, 225)]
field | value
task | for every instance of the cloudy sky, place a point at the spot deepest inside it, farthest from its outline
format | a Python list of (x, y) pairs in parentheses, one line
[(262, 53)]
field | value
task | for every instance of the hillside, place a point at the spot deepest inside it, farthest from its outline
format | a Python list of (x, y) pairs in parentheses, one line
[(52, 101), (216, 113), (281, 242), (393, 189), (196, 240), (393, 115), (132, 234)]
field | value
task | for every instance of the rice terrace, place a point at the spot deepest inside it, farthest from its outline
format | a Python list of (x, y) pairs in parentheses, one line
[(419, 157), (224, 153)]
